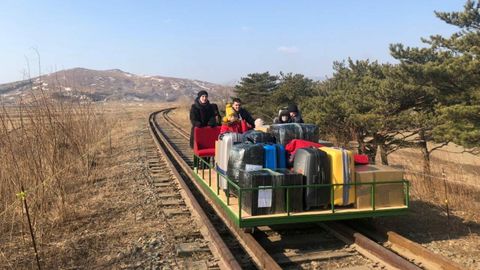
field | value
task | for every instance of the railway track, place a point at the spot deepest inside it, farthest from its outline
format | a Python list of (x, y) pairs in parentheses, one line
[(301, 246)]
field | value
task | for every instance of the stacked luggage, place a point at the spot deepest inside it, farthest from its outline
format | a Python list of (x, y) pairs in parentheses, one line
[(257, 162)]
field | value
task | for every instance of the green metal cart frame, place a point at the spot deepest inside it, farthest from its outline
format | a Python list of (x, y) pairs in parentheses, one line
[(289, 217)]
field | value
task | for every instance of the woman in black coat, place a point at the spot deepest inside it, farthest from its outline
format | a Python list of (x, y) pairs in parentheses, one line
[(203, 113)]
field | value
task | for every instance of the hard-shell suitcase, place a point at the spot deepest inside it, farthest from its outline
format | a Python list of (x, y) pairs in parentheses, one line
[(225, 143), (274, 156), (235, 137), (295, 195), (284, 133), (342, 165), (255, 136), (295, 144), (244, 156), (315, 166), (262, 201)]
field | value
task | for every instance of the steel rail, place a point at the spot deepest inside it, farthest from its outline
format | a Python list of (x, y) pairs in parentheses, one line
[(254, 249), (220, 249), (431, 260)]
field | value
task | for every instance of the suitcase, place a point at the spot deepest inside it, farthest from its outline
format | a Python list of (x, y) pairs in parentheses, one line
[(255, 136), (274, 156), (262, 201), (225, 143), (289, 178), (295, 144), (315, 166), (244, 156), (342, 165), (235, 137), (284, 133)]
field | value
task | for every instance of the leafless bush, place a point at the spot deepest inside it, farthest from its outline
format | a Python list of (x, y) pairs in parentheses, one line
[(46, 146)]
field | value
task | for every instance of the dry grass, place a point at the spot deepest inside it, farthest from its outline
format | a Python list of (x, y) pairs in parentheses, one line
[(105, 212), (46, 147), (454, 180)]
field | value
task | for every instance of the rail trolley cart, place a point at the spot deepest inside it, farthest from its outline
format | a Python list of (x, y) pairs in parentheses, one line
[(372, 199)]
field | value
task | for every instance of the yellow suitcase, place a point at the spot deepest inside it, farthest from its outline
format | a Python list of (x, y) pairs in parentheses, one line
[(342, 165)]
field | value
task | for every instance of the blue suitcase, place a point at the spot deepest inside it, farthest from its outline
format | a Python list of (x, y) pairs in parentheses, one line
[(274, 156)]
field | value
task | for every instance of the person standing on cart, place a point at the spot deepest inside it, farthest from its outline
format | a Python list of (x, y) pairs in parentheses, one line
[(295, 115), (203, 113), (242, 113)]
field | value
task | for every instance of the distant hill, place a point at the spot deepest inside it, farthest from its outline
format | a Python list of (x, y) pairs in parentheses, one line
[(109, 85)]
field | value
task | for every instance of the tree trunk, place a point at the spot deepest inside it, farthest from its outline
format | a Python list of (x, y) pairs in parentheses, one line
[(384, 154), (426, 156), (371, 151)]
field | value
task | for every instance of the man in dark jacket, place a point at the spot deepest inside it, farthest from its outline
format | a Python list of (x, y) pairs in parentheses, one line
[(295, 115), (242, 113), (202, 113)]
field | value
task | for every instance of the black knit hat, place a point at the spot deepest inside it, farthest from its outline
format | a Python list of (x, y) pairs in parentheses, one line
[(292, 108), (201, 93)]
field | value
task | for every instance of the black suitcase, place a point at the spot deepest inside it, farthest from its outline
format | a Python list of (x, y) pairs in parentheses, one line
[(315, 166), (243, 156), (289, 178), (284, 133), (262, 201), (256, 136)]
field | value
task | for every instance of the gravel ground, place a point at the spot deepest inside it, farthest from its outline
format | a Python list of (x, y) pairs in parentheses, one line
[(457, 237), (114, 219)]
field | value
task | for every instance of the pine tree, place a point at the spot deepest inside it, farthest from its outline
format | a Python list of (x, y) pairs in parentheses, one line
[(255, 90), (450, 67), (292, 89)]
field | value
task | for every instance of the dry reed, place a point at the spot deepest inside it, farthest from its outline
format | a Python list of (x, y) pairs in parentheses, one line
[(47, 146)]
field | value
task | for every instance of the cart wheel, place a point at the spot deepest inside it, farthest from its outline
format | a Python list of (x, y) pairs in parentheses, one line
[(249, 230)]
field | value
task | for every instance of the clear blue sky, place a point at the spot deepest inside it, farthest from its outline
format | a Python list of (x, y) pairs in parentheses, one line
[(217, 41)]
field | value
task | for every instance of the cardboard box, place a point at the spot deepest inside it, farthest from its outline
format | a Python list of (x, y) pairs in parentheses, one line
[(389, 195), (364, 197), (377, 173), (386, 195), (265, 129)]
